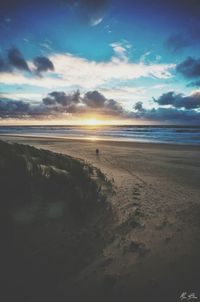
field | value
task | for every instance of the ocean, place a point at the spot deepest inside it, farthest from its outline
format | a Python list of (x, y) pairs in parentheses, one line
[(155, 134)]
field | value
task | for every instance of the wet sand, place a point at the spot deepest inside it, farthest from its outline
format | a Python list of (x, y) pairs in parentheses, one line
[(154, 252)]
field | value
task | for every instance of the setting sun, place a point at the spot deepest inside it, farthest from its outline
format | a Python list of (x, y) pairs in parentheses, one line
[(92, 122)]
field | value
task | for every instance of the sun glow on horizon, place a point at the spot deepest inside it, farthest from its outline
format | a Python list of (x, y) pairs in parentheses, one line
[(93, 122), (81, 120)]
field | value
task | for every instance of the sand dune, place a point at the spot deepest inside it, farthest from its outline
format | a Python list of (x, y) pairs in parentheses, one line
[(154, 252)]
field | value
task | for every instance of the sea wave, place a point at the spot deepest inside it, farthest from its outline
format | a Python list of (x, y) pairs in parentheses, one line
[(162, 134)]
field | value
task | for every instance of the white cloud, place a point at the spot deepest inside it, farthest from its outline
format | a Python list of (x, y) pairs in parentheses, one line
[(95, 22), (124, 94), (159, 86), (90, 74), (74, 71), (35, 97), (20, 79), (194, 92), (121, 49)]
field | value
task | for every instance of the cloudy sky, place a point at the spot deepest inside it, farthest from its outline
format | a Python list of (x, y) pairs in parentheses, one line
[(66, 61)]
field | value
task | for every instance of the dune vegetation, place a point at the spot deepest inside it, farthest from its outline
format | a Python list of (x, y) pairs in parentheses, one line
[(53, 217)]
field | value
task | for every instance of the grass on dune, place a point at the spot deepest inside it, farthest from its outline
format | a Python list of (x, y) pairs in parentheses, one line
[(53, 215)]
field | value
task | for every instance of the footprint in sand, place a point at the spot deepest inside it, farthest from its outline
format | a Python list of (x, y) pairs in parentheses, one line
[(136, 194)]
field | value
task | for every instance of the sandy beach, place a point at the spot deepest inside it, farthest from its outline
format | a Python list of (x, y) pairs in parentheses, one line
[(155, 256)]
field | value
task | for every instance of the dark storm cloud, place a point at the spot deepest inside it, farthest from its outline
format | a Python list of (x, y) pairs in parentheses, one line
[(179, 101), (13, 60), (183, 108), (58, 102), (43, 64), (16, 59), (161, 114), (168, 98), (62, 99), (94, 99), (190, 68), (138, 106), (12, 108), (114, 107), (91, 101)]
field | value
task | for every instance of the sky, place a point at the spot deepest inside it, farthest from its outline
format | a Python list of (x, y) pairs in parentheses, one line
[(74, 61)]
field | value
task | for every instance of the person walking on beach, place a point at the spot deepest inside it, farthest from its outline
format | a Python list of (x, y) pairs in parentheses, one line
[(97, 152)]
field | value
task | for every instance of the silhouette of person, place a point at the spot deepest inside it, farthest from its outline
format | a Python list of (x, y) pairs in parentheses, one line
[(97, 152)]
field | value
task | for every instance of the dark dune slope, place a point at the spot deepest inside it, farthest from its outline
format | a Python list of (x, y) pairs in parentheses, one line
[(54, 219)]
